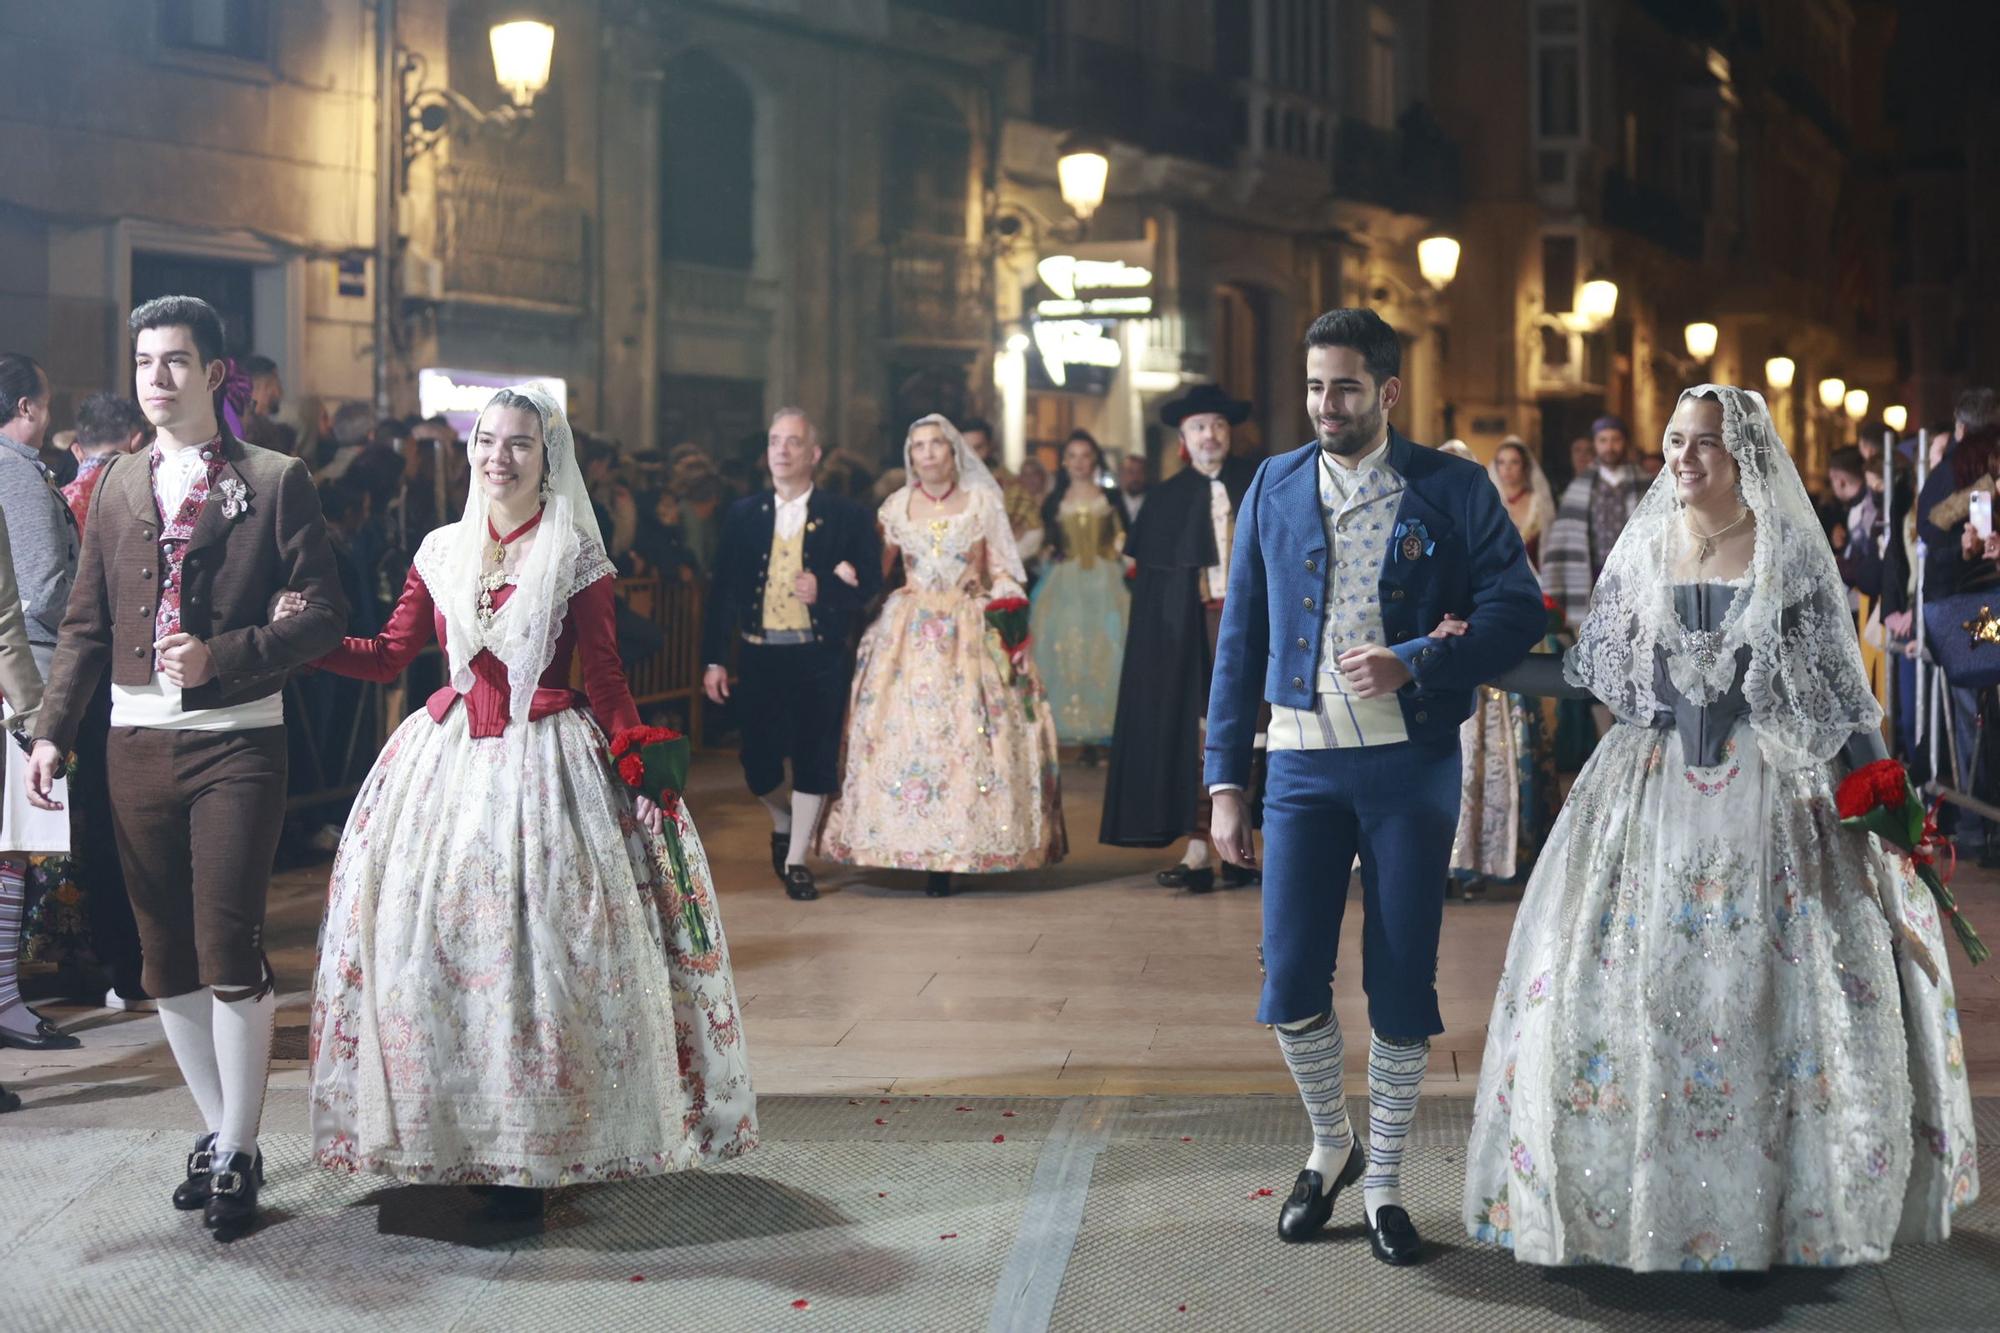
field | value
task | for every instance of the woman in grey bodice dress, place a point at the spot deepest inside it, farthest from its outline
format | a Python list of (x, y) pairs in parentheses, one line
[(1725, 1036)]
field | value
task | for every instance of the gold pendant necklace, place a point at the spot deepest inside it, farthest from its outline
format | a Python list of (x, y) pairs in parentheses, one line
[(1706, 548)]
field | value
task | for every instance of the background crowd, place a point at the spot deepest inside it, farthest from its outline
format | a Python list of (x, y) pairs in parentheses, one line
[(384, 483)]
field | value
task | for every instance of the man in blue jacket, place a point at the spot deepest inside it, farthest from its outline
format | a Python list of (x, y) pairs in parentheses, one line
[(1348, 551)]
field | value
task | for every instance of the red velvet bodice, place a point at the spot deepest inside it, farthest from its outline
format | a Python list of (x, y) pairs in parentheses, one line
[(589, 633)]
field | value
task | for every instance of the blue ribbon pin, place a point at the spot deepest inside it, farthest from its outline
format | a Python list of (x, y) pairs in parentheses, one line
[(1413, 541)]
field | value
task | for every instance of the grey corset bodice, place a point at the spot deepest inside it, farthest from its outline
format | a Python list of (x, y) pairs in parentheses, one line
[(1704, 728)]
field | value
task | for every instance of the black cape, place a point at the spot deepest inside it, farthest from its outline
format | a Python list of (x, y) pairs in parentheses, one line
[(1154, 781)]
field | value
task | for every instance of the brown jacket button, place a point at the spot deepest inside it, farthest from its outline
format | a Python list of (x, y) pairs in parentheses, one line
[(139, 650)]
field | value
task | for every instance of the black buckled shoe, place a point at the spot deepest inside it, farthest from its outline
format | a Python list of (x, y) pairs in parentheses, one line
[(232, 1195), (1393, 1236), (1310, 1206), (1187, 877), (1236, 877), (781, 846), (799, 884), (192, 1193), (48, 1037)]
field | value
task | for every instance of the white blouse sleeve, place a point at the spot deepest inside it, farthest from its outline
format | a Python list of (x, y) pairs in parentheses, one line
[(1003, 557)]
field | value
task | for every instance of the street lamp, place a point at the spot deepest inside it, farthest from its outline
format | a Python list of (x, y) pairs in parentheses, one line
[(1832, 392), (1857, 404), (1895, 416), (1082, 170), (1778, 372), (1597, 302), (1437, 260), (1701, 339), (523, 52)]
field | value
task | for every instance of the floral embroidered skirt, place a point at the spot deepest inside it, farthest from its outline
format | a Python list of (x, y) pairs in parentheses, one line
[(1078, 624), (1707, 1050), (508, 992), (950, 765)]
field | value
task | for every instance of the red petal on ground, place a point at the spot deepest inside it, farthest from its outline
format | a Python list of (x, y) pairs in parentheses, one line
[(1180, 1309), (636, 1277), (961, 1108), (1260, 1194), (1187, 1138), (999, 1138), (881, 1194), (1009, 1115), (880, 1121), (802, 1305), (885, 1101), (852, 1102), (949, 1235)]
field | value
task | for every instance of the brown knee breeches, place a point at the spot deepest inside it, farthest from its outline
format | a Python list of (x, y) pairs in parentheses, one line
[(197, 816)]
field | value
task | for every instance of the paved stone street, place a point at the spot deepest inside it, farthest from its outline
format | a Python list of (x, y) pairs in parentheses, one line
[(1079, 1125)]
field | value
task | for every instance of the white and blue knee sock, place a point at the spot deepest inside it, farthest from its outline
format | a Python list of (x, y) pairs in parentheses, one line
[(1396, 1067), (1314, 1052)]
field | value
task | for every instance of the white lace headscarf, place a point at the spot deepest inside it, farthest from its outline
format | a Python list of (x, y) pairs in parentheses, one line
[(1542, 505), (568, 556), (1003, 554), (1804, 682)]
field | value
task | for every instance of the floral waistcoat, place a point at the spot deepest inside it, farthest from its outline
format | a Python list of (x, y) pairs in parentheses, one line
[(175, 530)]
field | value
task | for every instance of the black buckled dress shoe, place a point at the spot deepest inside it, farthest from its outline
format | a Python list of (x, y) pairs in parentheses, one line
[(47, 1037), (192, 1193), (1236, 877), (1187, 877), (781, 846), (1310, 1206), (799, 884), (1393, 1237), (232, 1194)]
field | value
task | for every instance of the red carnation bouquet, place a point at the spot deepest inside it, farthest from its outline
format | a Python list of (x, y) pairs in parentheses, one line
[(653, 761), (1878, 798), (1008, 617)]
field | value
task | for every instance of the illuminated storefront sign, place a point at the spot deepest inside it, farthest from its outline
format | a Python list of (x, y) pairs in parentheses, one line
[(1066, 345), (457, 395), (1103, 280)]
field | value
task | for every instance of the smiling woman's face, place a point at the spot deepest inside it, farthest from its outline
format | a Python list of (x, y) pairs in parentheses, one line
[(507, 454), (1703, 469)]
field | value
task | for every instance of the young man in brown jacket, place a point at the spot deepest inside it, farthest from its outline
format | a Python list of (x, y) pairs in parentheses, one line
[(188, 543)]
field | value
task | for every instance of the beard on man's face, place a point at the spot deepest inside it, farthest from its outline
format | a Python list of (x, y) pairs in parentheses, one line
[(1354, 437)]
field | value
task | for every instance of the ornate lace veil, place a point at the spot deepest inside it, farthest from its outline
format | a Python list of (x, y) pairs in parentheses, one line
[(568, 556), (973, 477), (1803, 681)]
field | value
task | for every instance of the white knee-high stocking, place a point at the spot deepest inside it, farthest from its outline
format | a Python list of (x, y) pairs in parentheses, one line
[(190, 1036), (805, 817), (243, 1063)]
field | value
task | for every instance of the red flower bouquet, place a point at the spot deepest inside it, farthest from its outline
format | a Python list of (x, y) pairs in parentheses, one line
[(653, 762), (1008, 618), (1878, 798)]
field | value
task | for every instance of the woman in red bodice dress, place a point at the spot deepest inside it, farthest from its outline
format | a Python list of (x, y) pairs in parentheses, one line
[(508, 994)]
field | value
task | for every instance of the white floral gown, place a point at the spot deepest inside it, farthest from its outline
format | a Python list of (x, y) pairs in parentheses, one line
[(1709, 1049), (951, 760), (508, 989)]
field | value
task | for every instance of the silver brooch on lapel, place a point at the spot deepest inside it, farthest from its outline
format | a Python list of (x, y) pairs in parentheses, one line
[(234, 498)]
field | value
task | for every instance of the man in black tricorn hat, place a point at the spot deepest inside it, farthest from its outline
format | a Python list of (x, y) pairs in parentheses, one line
[(1153, 793)]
